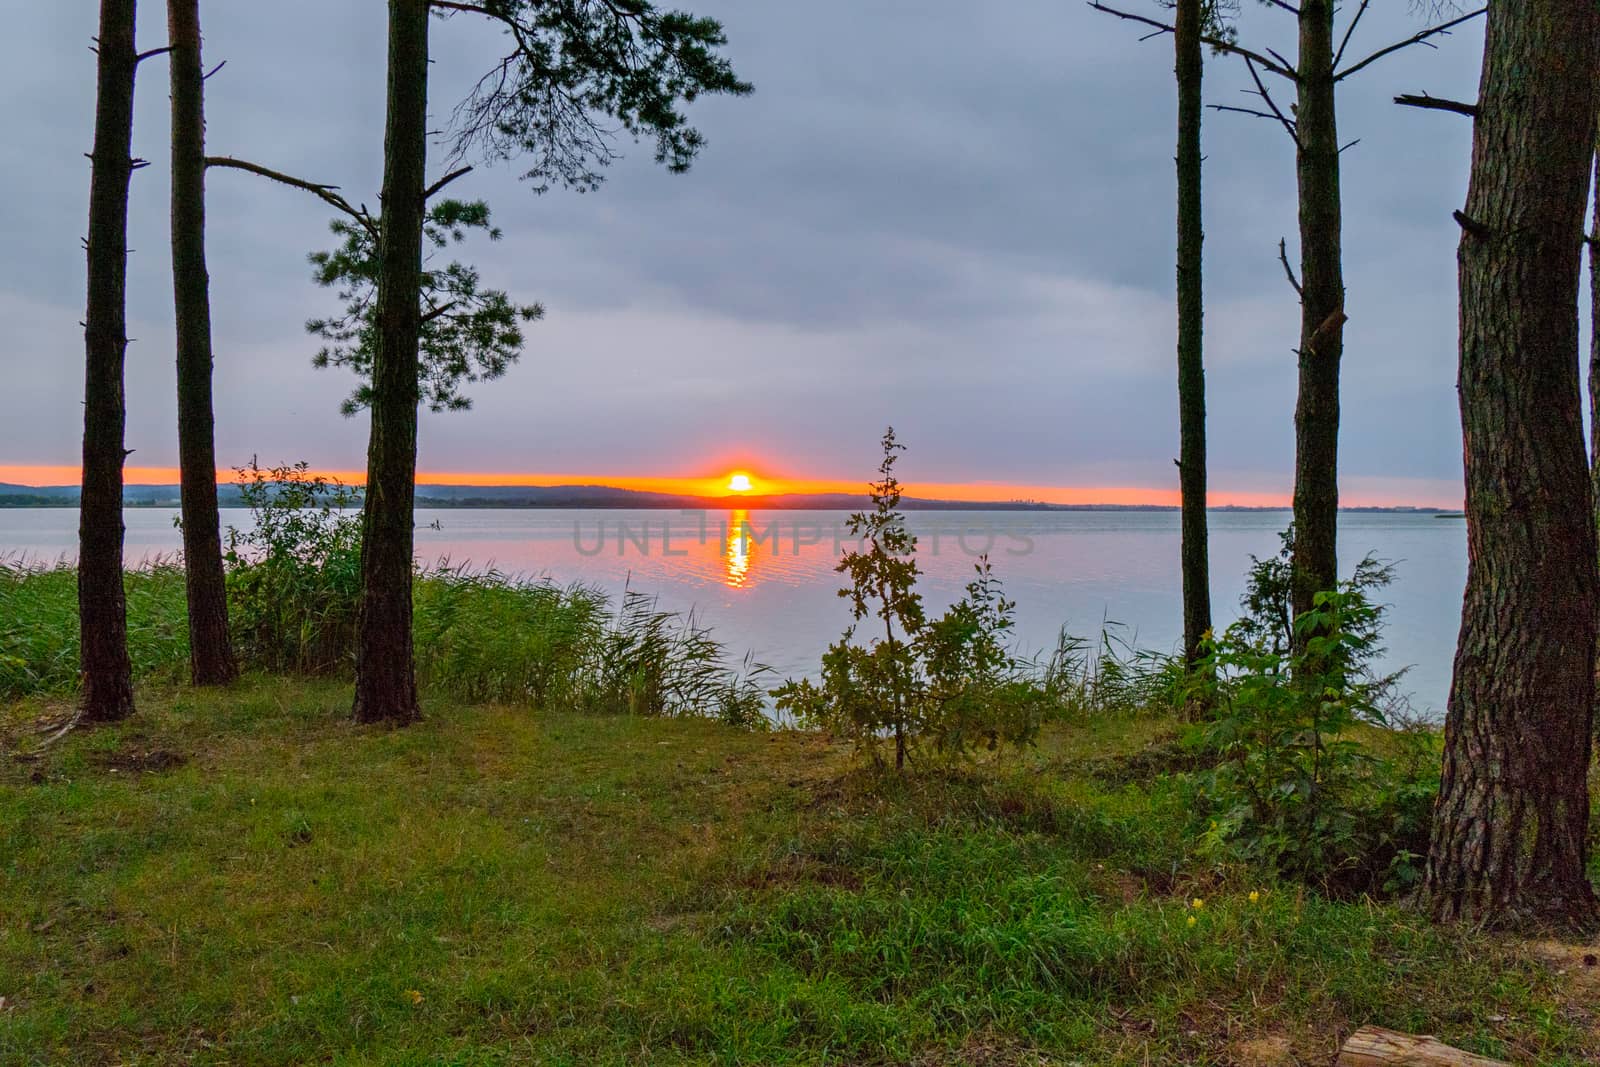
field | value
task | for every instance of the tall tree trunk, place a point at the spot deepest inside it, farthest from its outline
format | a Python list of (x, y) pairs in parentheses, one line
[(1191, 324), (1316, 417), (102, 605), (210, 649), (1510, 834), (1594, 338), (386, 685)]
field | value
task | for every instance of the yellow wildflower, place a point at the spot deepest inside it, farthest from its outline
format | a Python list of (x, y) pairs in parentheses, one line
[(414, 995), (1197, 904), (1192, 920), (1255, 897)]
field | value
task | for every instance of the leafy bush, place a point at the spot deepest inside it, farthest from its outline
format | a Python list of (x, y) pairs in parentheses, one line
[(951, 681), (294, 578), (1314, 783)]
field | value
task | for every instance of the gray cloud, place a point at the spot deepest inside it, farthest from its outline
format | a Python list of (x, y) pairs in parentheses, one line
[(955, 217)]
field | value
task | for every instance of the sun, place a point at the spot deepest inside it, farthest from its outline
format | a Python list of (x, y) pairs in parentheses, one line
[(739, 483)]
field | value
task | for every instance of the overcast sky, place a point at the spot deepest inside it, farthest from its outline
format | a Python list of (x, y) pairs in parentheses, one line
[(954, 217)]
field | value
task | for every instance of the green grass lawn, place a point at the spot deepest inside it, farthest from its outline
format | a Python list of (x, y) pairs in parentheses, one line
[(247, 878)]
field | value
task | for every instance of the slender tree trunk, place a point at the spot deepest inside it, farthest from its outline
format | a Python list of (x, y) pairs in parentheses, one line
[(210, 649), (1594, 338), (102, 605), (1191, 323), (1510, 834), (1322, 317), (386, 685)]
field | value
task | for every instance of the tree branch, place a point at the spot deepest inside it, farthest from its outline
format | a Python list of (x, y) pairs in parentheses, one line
[(142, 56), (1436, 103), (1349, 32), (1283, 257), (439, 311), (1290, 127), (431, 191), (327, 193), (1420, 37), (1282, 70), (1243, 110)]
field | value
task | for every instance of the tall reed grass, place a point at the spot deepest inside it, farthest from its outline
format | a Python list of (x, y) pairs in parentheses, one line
[(39, 625), (481, 637)]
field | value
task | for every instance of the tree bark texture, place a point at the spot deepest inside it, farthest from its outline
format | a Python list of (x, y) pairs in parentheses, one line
[(102, 604), (1510, 834), (211, 659), (1191, 324), (386, 686), (1322, 315)]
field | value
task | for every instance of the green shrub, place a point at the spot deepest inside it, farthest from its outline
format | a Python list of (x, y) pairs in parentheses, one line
[(952, 682), (294, 578), (1315, 782)]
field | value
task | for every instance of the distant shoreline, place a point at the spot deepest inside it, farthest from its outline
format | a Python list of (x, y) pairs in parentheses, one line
[(606, 498)]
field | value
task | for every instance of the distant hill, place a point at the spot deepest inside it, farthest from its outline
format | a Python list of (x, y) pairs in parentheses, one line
[(600, 497)]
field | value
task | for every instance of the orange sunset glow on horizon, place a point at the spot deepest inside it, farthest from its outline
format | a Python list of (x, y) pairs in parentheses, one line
[(743, 482)]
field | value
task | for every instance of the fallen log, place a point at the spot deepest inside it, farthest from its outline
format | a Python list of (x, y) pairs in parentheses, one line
[(1373, 1046)]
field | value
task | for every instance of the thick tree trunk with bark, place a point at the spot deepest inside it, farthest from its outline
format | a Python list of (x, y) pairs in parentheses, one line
[(210, 649), (1322, 317), (102, 604), (1191, 323), (1510, 834), (386, 686)]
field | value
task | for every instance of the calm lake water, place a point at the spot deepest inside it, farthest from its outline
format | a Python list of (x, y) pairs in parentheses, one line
[(771, 591)]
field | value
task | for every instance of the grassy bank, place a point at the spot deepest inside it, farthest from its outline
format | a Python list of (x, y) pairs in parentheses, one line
[(247, 878)]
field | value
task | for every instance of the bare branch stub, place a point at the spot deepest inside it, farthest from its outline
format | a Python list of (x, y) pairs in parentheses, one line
[(434, 189), (1436, 103), (1471, 225), (1283, 257)]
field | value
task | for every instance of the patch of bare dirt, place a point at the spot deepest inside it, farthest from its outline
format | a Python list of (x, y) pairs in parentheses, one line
[(140, 760), (1270, 1050)]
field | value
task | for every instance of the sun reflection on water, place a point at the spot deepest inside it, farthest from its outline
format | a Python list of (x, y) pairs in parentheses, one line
[(740, 550)]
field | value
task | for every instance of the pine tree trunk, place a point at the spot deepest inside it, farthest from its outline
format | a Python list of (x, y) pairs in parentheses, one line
[(1316, 417), (1191, 322), (1594, 338), (210, 649), (386, 686), (1510, 834), (102, 604)]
